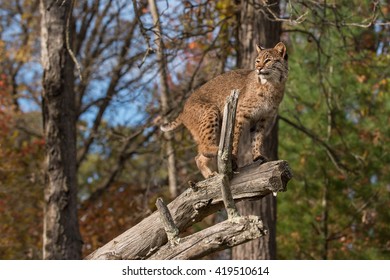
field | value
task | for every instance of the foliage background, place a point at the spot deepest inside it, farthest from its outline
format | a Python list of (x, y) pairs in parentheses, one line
[(334, 120)]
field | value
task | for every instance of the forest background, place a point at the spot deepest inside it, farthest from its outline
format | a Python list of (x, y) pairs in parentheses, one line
[(333, 128)]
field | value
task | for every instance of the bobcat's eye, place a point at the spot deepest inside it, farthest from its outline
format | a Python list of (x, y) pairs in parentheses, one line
[(267, 60), (257, 60)]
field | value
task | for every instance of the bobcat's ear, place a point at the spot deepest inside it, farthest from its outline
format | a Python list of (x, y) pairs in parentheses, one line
[(259, 49), (281, 48)]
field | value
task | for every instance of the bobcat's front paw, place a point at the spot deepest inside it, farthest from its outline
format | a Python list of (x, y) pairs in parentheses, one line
[(212, 174), (260, 158)]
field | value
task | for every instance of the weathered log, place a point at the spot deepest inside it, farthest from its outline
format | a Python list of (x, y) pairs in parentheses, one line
[(225, 153), (251, 182), (226, 234)]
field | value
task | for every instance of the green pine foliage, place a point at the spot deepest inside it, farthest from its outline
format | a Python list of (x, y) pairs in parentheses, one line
[(338, 99)]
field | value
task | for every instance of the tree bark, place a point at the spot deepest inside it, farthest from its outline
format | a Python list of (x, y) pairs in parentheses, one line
[(61, 236), (254, 27), (164, 97)]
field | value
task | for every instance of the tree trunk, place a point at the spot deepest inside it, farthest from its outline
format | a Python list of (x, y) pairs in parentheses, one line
[(164, 97), (61, 236), (255, 28)]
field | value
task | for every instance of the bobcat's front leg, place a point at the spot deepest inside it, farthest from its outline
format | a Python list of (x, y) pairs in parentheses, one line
[(261, 131), (242, 121)]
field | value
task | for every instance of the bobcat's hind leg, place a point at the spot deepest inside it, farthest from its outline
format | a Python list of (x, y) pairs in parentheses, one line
[(208, 141)]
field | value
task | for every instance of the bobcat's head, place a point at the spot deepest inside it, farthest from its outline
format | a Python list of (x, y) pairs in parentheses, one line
[(271, 64)]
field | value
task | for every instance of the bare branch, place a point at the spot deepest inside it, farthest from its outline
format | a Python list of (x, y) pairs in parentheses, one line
[(125, 154), (144, 34), (117, 73), (251, 182), (68, 47), (216, 238), (170, 228)]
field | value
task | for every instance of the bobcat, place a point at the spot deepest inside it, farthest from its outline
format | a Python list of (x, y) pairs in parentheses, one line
[(261, 91)]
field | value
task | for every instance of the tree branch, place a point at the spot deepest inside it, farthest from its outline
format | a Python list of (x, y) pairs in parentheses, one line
[(213, 239), (127, 150)]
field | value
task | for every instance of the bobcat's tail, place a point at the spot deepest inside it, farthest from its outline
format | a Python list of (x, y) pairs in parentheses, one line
[(171, 125)]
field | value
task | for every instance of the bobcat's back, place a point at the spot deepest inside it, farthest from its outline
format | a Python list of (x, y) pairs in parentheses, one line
[(217, 89), (214, 92)]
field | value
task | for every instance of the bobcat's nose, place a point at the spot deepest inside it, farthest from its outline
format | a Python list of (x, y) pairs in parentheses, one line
[(263, 71), (259, 70)]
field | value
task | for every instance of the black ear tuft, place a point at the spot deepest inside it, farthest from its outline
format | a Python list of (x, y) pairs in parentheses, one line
[(286, 57), (259, 48)]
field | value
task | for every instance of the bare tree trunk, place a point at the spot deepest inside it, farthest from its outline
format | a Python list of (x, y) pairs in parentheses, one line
[(165, 104), (61, 236), (255, 28)]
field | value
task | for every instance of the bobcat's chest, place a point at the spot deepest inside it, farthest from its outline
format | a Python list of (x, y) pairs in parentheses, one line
[(260, 102), (262, 111)]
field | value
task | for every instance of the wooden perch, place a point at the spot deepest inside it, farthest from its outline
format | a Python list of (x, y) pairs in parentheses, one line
[(226, 140), (212, 239), (252, 182), (225, 153)]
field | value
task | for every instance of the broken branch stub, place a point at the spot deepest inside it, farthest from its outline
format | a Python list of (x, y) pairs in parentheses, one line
[(225, 153), (166, 218)]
